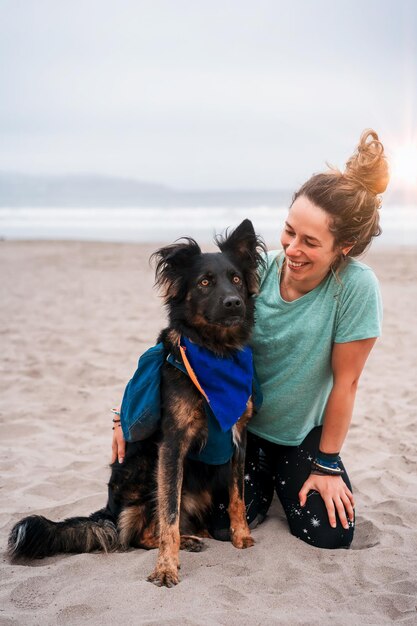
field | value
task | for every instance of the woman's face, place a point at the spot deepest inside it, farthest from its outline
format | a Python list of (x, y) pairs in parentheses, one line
[(308, 243)]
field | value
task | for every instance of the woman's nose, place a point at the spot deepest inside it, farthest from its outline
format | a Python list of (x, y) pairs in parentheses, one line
[(293, 246)]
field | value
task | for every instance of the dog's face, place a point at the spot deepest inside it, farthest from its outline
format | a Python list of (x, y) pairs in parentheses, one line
[(209, 294), (217, 291)]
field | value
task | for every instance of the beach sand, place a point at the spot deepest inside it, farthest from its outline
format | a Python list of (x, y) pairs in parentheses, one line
[(74, 318)]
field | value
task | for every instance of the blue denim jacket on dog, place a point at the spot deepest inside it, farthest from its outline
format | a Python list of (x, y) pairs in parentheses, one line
[(141, 407)]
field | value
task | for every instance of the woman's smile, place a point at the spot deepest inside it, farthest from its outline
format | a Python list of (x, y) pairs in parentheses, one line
[(296, 266)]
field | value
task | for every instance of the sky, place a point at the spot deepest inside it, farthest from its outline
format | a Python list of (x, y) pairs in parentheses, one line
[(202, 94)]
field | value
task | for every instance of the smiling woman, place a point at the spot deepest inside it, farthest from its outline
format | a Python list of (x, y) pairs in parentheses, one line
[(318, 315)]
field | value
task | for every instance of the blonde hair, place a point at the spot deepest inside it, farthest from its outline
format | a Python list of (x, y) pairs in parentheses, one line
[(351, 198)]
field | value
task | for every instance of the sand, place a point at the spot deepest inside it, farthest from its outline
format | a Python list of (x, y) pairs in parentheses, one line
[(74, 318)]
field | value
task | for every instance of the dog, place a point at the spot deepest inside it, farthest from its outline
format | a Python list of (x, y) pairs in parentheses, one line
[(161, 495)]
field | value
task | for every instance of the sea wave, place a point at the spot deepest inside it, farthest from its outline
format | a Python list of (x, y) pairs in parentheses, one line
[(399, 223)]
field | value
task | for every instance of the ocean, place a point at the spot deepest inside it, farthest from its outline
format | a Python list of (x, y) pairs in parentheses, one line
[(165, 224)]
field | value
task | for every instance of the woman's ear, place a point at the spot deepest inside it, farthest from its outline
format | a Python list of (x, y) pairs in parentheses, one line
[(346, 250)]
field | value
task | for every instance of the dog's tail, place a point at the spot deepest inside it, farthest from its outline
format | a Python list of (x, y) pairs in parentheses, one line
[(36, 536)]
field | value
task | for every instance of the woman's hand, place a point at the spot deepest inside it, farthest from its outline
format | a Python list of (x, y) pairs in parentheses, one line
[(336, 496), (118, 444)]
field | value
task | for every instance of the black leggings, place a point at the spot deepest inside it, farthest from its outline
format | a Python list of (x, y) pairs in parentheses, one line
[(284, 468)]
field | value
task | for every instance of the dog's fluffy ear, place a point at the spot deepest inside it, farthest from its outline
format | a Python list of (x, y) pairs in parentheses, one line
[(172, 263), (248, 249)]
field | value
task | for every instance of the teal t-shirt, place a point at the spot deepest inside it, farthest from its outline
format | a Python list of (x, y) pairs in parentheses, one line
[(292, 345)]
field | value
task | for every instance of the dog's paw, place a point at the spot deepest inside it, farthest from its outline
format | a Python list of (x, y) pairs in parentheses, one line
[(242, 541), (191, 543), (164, 577)]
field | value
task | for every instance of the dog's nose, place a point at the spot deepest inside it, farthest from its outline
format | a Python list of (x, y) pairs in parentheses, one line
[(232, 302)]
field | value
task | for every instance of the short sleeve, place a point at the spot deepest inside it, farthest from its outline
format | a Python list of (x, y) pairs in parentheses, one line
[(360, 307)]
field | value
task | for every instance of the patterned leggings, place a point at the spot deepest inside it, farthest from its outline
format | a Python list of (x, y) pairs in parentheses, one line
[(284, 468)]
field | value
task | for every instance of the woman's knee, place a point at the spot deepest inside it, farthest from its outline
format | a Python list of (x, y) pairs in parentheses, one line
[(310, 523), (329, 538), (332, 541)]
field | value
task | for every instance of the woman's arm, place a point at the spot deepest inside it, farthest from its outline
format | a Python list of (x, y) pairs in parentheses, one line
[(118, 447), (348, 360)]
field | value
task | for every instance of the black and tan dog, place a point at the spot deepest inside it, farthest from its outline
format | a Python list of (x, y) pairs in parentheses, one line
[(159, 496)]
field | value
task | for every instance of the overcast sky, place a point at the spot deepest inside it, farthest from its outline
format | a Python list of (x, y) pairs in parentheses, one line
[(202, 93)]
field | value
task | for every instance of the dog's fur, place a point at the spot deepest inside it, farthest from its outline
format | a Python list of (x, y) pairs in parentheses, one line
[(209, 300)]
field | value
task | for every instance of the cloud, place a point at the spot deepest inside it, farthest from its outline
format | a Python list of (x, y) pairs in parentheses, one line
[(203, 93)]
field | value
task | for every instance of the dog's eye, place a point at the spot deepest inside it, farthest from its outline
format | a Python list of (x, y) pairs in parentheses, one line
[(205, 282), (236, 279)]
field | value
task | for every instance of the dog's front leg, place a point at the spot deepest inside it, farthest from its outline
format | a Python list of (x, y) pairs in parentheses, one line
[(239, 529), (170, 475)]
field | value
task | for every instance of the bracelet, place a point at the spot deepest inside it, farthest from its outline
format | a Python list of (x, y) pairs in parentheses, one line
[(327, 464), (115, 411), (115, 421)]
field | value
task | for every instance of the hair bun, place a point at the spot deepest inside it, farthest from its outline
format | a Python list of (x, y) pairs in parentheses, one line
[(368, 166)]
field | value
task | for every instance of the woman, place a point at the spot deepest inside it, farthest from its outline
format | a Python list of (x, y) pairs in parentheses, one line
[(318, 315)]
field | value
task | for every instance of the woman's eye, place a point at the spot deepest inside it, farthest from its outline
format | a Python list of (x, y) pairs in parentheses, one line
[(236, 280), (205, 282)]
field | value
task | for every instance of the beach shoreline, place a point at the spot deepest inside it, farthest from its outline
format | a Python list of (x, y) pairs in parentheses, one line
[(74, 317)]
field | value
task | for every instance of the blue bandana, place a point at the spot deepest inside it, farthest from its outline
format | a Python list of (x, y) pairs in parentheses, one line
[(226, 382)]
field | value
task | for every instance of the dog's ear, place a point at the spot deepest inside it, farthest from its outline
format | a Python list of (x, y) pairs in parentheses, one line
[(172, 263), (248, 249)]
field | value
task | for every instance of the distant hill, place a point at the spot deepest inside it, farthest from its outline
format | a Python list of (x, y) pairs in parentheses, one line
[(86, 190), (21, 190), (73, 190)]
